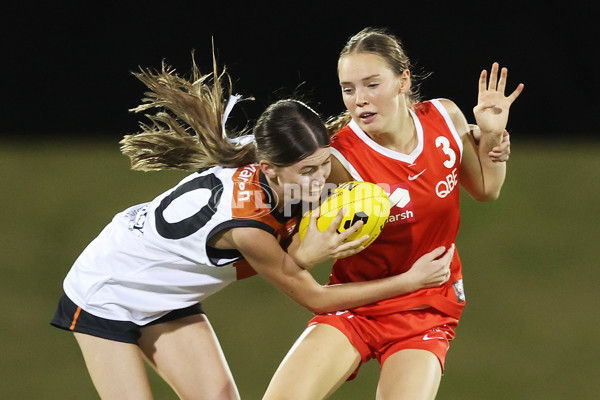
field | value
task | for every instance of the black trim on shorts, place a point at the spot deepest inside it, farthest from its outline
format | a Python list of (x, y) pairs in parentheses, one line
[(70, 317)]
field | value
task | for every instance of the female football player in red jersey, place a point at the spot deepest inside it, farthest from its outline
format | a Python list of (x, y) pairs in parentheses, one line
[(419, 152), (134, 293)]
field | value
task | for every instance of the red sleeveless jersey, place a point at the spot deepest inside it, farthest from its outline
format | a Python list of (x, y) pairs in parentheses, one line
[(424, 185)]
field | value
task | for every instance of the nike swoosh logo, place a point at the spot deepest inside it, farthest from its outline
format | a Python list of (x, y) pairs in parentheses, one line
[(413, 177), (427, 337)]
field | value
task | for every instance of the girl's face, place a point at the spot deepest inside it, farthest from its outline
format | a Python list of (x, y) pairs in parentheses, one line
[(303, 180), (372, 92)]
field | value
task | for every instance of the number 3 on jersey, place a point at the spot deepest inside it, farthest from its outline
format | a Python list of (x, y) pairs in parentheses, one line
[(444, 143)]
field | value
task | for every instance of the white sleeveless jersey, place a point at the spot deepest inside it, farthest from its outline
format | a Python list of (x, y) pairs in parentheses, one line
[(153, 258)]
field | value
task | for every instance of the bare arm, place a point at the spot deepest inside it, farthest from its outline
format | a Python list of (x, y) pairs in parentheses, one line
[(279, 269), (500, 153), (481, 176), (492, 109), (491, 114)]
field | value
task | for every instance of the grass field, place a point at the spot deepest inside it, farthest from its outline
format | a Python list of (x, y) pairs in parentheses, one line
[(529, 331)]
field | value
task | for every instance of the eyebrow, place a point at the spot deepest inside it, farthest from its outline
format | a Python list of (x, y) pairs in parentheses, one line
[(316, 165), (362, 80)]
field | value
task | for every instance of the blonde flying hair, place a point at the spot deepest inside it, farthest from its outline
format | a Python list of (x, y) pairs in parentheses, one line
[(186, 128)]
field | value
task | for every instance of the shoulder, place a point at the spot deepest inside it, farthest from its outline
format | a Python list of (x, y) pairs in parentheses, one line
[(450, 107), (456, 115), (341, 136), (440, 105)]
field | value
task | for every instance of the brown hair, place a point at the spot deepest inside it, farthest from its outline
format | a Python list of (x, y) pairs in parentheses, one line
[(187, 130), (289, 131), (381, 42)]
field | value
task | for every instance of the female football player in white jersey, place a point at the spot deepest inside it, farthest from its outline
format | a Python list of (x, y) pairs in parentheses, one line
[(134, 293), (420, 152)]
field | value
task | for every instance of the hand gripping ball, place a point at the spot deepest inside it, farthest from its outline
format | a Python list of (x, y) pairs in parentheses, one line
[(361, 201)]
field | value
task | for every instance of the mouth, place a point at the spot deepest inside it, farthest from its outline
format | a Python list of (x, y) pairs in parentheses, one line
[(316, 191), (367, 117)]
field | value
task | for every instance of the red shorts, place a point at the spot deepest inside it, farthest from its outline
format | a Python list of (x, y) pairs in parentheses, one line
[(381, 336)]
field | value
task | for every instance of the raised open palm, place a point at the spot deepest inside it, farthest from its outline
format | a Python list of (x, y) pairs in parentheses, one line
[(491, 111)]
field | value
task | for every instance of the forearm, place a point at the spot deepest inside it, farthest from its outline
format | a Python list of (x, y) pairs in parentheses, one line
[(279, 269), (479, 174), (330, 298), (300, 286), (430, 270), (493, 173)]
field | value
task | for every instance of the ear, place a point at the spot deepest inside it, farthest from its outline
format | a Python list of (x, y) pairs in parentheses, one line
[(405, 81), (268, 169)]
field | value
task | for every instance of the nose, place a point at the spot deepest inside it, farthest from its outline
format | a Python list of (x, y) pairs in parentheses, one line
[(361, 98), (319, 179)]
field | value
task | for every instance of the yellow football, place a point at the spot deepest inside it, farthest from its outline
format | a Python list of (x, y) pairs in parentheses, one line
[(361, 201)]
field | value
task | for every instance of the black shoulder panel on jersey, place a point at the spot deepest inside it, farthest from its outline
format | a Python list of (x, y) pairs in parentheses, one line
[(190, 225), (216, 255)]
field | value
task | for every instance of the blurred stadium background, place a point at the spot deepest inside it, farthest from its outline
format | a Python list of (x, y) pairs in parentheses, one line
[(529, 330)]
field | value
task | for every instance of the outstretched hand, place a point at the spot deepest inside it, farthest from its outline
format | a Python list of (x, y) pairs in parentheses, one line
[(320, 246), (491, 111)]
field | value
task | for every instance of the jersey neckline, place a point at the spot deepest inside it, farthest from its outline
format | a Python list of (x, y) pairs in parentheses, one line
[(408, 158)]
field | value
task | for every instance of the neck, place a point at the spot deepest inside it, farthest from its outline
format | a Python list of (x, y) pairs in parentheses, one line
[(401, 136), (278, 192)]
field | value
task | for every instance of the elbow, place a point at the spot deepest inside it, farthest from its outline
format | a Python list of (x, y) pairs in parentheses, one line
[(318, 305), (492, 195), (322, 310), (484, 195), (488, 196), (313, 302)]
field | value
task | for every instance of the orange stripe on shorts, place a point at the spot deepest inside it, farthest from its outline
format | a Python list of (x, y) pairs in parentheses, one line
[(75, 319)]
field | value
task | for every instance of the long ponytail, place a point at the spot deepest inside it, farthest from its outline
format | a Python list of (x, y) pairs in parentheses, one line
[(186, 130)]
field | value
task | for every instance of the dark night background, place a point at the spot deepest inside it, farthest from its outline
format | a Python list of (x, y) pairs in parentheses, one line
[(66, 66), (530, 329)]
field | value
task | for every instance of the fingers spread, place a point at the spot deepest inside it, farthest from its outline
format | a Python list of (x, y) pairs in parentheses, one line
[(482, 81), (349, 252), (493, 77), (336, 221), (350, 231), (513, 96), (502, 81)]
